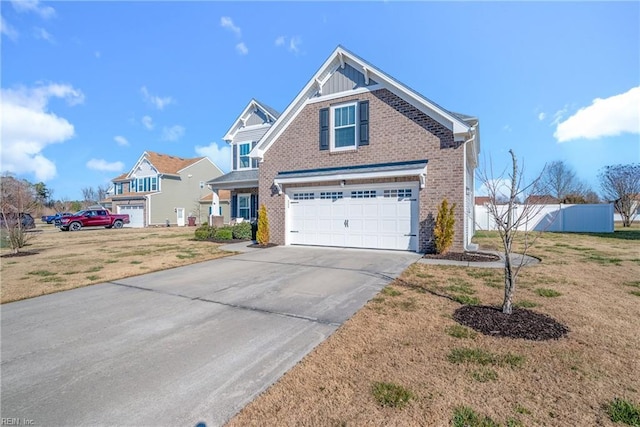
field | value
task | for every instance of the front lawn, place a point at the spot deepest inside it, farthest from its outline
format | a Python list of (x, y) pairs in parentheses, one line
[(406, 339)]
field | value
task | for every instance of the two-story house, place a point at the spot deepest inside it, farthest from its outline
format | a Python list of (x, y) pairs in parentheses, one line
[(357, 159), (242, 180), (161, 188)]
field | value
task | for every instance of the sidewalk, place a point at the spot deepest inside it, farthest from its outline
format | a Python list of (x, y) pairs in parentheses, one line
[(515, 259)]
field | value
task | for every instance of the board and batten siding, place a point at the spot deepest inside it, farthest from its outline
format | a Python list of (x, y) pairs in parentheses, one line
[(257, 117), (345, 79)]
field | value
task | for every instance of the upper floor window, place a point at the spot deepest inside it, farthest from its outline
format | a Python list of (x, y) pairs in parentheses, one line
[(344, 127), (243, 155), (149, 183), (117, 188)]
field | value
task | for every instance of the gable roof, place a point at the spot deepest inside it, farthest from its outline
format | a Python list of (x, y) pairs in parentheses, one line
[(164, 163), (459, 124), (239, 122)]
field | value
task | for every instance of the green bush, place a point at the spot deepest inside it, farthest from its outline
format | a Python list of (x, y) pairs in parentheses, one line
[(443, 231), (242, 230), (262, 234), (204, 232), (223, 234)]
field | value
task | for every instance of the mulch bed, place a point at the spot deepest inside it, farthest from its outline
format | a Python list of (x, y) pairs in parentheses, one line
[(521, 323), (465, 256), (224, 242), (258, 245)]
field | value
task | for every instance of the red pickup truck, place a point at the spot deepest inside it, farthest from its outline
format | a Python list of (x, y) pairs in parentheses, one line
[(92, 218)]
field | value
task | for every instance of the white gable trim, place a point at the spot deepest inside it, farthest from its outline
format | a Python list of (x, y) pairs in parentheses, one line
[(432, 110), (143, 157), (239, 123)]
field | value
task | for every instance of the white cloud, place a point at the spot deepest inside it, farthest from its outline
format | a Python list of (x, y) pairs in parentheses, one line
[(8, 30), (220, 156), (97, 54), (24, 6), (558, 115), (121, 140), (104, 166), (147, 122), (242, 48), (294, 44), (227, 22), (42, 34), (156, 101), (542, 116), (604, 117), (172, 133), (27, 127), (506, 128)]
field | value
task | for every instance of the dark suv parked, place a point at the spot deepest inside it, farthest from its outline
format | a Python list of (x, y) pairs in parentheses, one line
[(12, 219)]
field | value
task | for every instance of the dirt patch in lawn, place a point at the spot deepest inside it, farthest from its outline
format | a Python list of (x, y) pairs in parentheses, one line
[(407, 337), (59, 261)]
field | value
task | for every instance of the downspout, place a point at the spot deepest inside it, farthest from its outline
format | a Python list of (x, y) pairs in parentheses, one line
[(465, 235)]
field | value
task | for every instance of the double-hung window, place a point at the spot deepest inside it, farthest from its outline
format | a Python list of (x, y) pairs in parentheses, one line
[(344, 132), (244, 161), (244, 206)]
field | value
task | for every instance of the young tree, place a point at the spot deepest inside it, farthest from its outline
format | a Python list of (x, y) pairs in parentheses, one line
[(510, 219), (443, 231), (620, 184), (16, 197), (262, 235)]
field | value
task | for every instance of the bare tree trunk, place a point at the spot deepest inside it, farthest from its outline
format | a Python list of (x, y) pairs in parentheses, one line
[(509, 285), (509, 234)]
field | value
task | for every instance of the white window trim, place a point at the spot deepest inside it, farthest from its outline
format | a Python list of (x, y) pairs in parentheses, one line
[(332, 129), (238, 167), (248, 196)]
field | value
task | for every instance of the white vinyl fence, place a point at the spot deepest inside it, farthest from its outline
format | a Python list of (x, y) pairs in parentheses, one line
[(557, 217)]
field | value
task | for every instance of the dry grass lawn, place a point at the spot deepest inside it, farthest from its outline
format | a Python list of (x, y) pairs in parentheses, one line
[(406, 337), (67, 260)]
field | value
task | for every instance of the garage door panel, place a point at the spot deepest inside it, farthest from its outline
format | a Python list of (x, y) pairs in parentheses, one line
[(136, 215), (360, 217)]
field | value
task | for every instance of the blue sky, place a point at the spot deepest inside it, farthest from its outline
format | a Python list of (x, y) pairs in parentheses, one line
[(87, 87)]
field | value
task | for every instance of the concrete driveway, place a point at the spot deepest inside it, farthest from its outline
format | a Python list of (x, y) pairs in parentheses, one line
[(184, 346)]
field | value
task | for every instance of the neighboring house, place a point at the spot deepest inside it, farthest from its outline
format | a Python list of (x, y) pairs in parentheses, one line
[(242, 182), (357, 159), (219, 208), (161, 188)]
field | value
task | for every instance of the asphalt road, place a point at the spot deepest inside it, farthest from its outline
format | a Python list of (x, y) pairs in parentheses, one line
[(184, 346)]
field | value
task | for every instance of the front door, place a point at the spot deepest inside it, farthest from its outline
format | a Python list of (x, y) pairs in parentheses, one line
[(180, 216)]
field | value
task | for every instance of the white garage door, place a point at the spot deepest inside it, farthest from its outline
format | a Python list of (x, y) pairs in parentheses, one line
[(136, 215), (380, 217)]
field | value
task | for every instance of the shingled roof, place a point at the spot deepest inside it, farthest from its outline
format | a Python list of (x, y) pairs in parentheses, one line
[(167, 164)]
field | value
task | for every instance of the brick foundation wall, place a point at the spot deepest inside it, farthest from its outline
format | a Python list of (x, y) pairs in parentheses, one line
[(397, 132)]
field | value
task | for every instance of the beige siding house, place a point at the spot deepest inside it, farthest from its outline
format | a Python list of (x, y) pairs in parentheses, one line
[(357, 159), (162, 189)]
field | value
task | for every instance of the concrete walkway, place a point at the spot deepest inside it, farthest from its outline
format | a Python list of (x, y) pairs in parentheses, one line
[(516, 259)]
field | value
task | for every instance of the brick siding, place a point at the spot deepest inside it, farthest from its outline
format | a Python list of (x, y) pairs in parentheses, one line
[(398, 132)]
